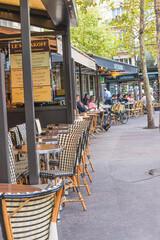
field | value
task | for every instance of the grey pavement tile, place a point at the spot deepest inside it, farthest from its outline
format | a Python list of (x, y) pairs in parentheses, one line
[(125, 200)]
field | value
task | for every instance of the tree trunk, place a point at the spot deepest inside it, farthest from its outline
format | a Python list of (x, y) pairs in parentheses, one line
[(157, 12), (150, 117)]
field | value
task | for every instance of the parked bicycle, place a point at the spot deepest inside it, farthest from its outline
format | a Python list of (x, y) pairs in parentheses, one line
[(117, 113)]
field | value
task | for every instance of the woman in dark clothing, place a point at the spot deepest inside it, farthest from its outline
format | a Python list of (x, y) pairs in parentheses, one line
[(80, 106), (86, 99), (120, 98), (125, 98)]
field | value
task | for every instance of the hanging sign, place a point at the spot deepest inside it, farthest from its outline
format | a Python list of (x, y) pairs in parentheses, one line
[(40, 71)]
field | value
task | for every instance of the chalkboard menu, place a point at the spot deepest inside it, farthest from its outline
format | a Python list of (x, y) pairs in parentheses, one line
[(40, 71)]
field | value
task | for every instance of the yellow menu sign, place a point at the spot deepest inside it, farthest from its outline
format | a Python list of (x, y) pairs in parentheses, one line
[(41, 94), (40, 71)]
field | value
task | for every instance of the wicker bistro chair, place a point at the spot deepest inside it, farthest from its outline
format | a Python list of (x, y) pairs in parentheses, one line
[(86, 126), (81, 128), (67, 166), (44, 131), (15, 136), (133, 110), (80, 172), (18, 170), (141, 109), (32, 216), (17, 142), (22, 131)]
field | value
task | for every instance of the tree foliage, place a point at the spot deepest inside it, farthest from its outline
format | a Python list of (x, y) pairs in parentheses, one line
[(91, 35), (128, 26), (119, 35)]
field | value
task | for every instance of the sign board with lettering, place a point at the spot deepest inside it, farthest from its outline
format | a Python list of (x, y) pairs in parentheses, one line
[(41, 94), (40, 71)]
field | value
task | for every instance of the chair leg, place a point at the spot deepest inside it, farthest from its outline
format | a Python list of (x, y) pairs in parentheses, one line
[(80, 199), (85, 169), (79, 193), (84, 180), (89, 158), (63, 192)]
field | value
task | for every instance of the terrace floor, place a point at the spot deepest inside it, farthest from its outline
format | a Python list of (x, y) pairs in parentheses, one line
[(125, 200)]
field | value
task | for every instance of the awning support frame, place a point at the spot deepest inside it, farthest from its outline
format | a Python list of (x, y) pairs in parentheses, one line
[(4, 152), (28, 93)]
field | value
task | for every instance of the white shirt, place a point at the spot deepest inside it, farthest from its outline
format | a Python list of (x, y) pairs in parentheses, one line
[(107, 94), (144, 100)]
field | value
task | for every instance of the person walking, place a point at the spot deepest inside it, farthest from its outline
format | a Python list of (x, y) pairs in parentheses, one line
[(107, 97)]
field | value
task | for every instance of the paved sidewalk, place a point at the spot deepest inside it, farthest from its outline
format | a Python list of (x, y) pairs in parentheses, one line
[(125, 200)]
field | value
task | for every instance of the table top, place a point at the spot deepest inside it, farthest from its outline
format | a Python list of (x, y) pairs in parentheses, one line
[(56, 129), (51, 134), (129, 103), (102, 111), (81, 119), (48, 140), (62, 125), (17, 188), (41, 148), (107, 106), (93, 113)]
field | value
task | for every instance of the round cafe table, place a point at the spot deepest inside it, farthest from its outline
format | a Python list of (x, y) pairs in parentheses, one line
[(47, 140), (17, 188), (102, 112), (45, 149), (63, 125), (94, 115), (51, 135), (56, 130)]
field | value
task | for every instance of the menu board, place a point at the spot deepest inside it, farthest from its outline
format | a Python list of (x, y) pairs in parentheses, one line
[(40, 94), (40, 71)]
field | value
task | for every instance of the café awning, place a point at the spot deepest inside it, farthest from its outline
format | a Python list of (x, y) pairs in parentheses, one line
[(113, 65), (43, 13), (78, 56)]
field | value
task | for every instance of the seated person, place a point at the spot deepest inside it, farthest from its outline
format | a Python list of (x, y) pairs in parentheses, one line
[(143, 99), (119, 98), (86, 99), (130, 99), (125, 98), (91, 104), (80, 106)]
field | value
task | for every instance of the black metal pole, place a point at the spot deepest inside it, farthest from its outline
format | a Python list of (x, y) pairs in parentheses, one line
[(80, 82), (28, 92), (73, 83), (68, 75), (97, 85), (4, 153)]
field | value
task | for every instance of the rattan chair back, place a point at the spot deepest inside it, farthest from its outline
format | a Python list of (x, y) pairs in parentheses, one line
[(22, 131), (29, 216), (16, 139), (38, 126), (69, 156), (11, 160)]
